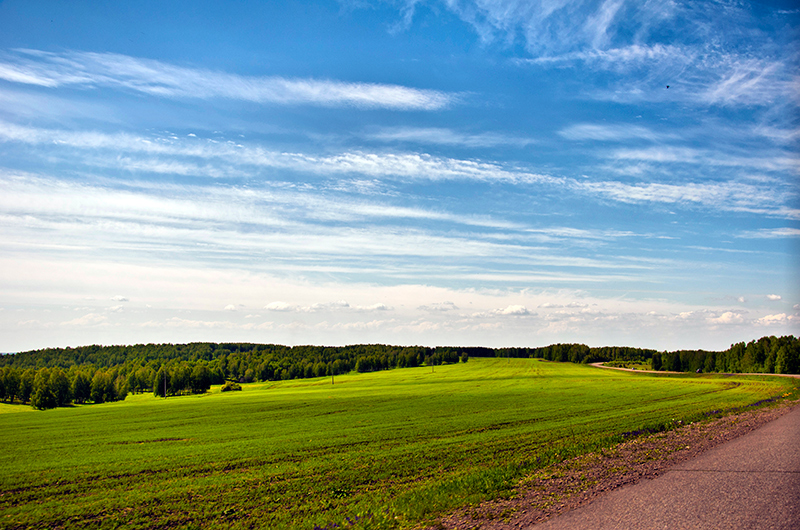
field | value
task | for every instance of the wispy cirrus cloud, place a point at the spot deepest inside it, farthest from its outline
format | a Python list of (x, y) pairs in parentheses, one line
[(198, 206), (782, 161), (611, 133), (184, 153), (771, 233), (439, 307), (548, 27), (688, 46), (201, 157), (731, 196), (621, 58), (89, 70), (325, 307), (444, 136)]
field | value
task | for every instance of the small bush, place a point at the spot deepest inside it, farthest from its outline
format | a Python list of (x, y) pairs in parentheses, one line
[(229, 386)]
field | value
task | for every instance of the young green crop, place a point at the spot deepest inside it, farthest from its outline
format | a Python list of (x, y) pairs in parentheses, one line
[(391, 448)]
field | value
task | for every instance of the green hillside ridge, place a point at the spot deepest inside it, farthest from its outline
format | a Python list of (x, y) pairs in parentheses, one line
[(54, 377), (385, 449)]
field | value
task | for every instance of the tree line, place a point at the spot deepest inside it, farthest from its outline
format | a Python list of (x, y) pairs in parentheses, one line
[(770, 355), (54, 377), (46, 387)]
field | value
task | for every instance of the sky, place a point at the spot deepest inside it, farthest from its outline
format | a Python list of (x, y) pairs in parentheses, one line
[(457, 172)]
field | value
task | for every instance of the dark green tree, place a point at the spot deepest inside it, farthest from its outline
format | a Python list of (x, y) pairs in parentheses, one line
[(655, 361), (43, 396), (26, 384), (201, 379), (787, 360), (81, 388), (59, 385), (676, 362), (102, 387), (161, 382), (12, 383)]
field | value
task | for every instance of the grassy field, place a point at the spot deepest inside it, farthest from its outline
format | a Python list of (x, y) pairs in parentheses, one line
[(389, 448)]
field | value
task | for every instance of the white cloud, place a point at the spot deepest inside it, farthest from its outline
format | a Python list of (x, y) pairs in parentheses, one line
[(561, 26), (197, 206), (599, 24), (338, 306), (770, 233), (495, 317), (88, 70), (230, 307), (731, 196), (91, 319), (610, 133), (748, 81), (728, 317), (514, 310), (443, 136), (620, 57), (697, 74), (773, 297), (116, 309), (511, 310), (176, 322), (119, 298), (688, 155), (223, 159), (373, 307), (570, 305), (358, 326), (279, 306), (439, 307), (33, 324), (769, 320), (328, 306)]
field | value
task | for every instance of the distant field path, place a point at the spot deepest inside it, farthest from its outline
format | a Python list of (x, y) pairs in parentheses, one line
[(752, 483), (602, 365)]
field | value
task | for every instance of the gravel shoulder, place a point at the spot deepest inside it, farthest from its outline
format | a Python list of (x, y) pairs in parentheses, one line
[(578, 481)]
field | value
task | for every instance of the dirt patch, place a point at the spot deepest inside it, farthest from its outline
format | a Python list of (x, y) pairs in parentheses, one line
[(157, 440), (573, 483)]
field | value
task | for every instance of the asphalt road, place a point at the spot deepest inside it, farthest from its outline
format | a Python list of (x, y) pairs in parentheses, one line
[(750, 483)]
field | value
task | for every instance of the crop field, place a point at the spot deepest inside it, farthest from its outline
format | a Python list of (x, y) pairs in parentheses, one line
[(374, 450)]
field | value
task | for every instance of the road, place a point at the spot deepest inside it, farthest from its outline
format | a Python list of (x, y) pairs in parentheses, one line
[(750, 483), (603, 365)]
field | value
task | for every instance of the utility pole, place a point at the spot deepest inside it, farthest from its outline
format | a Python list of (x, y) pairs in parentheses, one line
[(165, 383)]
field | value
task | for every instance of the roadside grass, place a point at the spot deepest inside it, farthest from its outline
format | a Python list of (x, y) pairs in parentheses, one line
[(633, 365), (376, 450)]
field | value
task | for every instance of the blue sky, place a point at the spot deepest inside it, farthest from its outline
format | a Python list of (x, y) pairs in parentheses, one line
[(494, 173)]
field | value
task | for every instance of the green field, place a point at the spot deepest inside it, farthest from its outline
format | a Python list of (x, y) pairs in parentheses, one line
[(392, 447)]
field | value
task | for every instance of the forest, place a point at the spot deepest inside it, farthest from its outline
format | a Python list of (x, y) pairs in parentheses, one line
[(56, 377)]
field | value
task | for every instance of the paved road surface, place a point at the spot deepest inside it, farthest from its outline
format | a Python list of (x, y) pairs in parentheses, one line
[(750, 483)]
